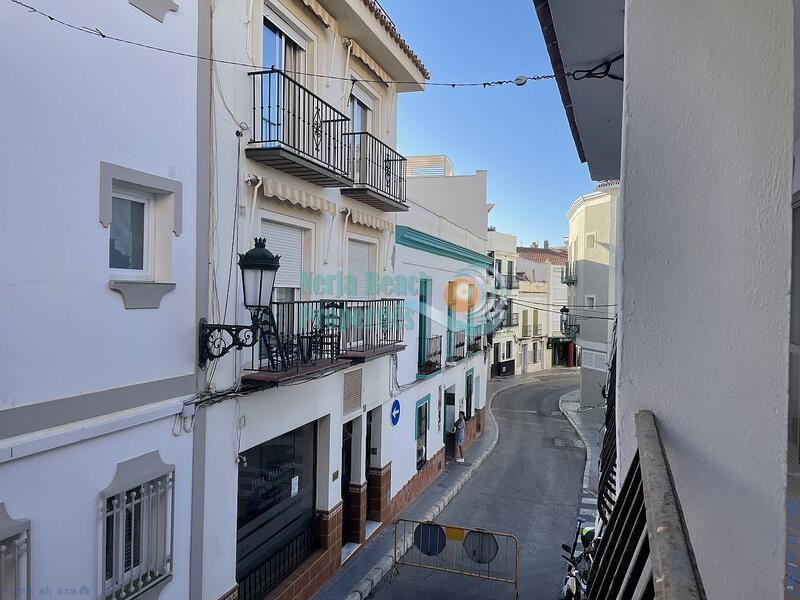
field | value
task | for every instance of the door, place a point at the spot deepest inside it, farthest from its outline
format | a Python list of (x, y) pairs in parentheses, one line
[(359, 123), (449, 413), (347, 459), (468, 394), (524, 358), (358, 267)]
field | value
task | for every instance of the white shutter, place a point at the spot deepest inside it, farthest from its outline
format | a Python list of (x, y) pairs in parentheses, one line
[(358, 264), (287, 242), (351, 400)]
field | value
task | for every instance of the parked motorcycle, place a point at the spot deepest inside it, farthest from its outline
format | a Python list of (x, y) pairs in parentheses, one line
[(578, 562)]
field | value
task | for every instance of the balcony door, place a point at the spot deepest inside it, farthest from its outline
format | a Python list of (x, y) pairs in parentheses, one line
[(360, 122), (359, 264), (282, 49)]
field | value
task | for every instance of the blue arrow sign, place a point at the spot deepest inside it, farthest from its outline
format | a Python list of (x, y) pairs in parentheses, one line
[(395, 412)]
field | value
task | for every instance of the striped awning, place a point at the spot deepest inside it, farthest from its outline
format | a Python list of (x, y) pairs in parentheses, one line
[(296, 196), (362, 218), (362, 55), (320, 11)]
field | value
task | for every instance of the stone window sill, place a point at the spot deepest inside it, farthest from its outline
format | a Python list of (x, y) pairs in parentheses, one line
[(141, 294)]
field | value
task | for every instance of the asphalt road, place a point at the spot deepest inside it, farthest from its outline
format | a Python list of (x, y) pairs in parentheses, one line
[(529, 486)]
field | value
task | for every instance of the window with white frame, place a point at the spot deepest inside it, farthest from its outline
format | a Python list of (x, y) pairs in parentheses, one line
[(591, 240), (15, 567), (131, 252), (361, 109), (137, 528), (590, 302)]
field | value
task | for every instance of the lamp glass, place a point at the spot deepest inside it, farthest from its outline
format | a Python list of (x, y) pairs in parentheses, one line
[(258, 284)]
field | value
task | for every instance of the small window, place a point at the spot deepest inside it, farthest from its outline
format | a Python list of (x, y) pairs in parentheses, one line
[(138, 524), (15, 567), (590, 302), (508, 350), (130, 254), (591, 241)]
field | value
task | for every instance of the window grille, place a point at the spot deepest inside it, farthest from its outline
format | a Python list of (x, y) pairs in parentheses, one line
[(15, 566)]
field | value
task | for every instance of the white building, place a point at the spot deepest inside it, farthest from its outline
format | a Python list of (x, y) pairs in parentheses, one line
[(703, 136), (546, 264), (294, 448), (441, 249), (590, 277), (502, 249), (532, 304), (100, 297)]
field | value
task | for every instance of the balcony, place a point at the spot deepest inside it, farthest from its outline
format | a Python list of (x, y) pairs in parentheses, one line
[(531, 330), (297, 132), (378, 173), (570, 328), (456, 346), (430, 355), (474, 342), (645, 544), (569, 274), (298, 339)]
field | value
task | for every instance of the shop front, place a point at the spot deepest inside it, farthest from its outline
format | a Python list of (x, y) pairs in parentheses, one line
[(276, 523)]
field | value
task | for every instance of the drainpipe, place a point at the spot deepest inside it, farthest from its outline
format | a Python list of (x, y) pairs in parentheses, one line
[(251, 179), (347, 43), (344, 238)]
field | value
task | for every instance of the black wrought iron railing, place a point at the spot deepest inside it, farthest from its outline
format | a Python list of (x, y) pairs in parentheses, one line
[(377, 166), (570, 326), (301, 539), (456, 345), (369, 325), (645, 551), (569, 274), (288, 114), (513, 281), (298, 334), (430, 355), (607, 485), (474, 341)]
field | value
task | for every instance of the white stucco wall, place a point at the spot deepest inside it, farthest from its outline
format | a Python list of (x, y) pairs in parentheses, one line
[(705, 225), (70, 101), (58, 491)]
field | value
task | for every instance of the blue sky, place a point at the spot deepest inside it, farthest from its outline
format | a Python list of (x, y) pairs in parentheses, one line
[(519, 135)]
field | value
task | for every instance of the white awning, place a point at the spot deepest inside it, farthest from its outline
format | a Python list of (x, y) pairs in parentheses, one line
[(362, 218), (298, 197), (367, 60), (318, 10)]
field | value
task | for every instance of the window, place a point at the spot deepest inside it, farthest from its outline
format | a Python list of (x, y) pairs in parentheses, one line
[(360, 121), (282, 49), (590, 302), (535, 353), (421, 432), (358, 266), (424, 321), (130, 252), (14, 557), (285, 241), (591, 240), (509, 355), (137, 526)]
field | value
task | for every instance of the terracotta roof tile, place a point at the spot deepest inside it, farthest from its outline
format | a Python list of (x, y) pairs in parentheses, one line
[(389, 26), (540, 255)]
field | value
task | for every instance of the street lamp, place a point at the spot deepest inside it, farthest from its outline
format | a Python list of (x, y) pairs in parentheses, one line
[(259, 267)]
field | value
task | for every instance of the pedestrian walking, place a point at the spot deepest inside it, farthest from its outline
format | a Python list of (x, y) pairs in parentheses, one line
[(458, 429)]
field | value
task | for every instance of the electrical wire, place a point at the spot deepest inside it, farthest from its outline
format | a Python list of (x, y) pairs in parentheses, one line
[(600, 71), (555, 312)]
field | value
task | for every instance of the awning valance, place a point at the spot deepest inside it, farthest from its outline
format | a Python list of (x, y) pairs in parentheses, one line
[(298, 197), (362, 218), (362, 55), (318, 10)]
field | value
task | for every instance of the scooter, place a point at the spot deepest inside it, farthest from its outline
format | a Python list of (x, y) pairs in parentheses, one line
[(576, 579)]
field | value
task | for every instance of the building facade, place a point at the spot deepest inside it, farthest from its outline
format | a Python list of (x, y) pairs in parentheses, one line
[(502, 250), (703, 136), (295, 457), (96, 434), (589, 276), (547, 264)]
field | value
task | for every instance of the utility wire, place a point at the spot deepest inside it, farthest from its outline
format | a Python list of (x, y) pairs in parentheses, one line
[(600, 71), (556, 312)]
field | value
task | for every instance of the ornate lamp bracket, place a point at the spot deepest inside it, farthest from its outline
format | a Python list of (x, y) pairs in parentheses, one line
[(216, 340)]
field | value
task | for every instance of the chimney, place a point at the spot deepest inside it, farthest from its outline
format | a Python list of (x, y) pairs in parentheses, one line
[(546, 244), (534, 244)]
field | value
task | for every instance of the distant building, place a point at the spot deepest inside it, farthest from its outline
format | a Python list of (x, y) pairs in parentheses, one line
[(503, 251)]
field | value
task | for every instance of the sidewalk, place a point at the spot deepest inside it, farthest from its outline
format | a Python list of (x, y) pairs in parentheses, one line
[(359, 575), (589, 425)]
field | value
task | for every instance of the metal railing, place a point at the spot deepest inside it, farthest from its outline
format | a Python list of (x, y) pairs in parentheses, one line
[(369, 325), (514, 319), (570, 327), (474, 342), (479, 553), (456, 345), (430, 355), (569, 274), (288, 114), (607, 486), (645, 551), (298, 334), (527, 331), (300, 541), (376, 165), (513, 282)]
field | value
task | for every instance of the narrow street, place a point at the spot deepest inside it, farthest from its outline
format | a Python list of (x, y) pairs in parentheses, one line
[(529, 486)]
